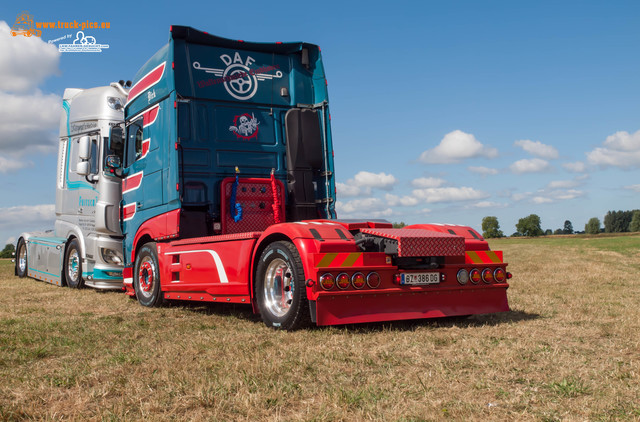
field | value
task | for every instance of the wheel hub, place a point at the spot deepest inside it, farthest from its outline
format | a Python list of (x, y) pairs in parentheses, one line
[(278, 287)]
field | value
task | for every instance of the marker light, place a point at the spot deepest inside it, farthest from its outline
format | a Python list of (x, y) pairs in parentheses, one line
[(342, 281), (463, 276), (358, 281), (487, 275), (373, 280), (475, 276), (327, 281)]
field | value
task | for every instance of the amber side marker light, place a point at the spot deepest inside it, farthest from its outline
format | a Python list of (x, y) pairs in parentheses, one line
[(475, 276), (487, 275), (358, 281), (342, 281), (327, 281)]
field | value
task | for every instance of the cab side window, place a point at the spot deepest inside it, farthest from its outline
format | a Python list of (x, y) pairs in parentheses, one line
[(134, 142)]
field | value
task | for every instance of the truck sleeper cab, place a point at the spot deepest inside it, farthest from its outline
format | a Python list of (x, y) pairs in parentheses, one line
[(85, 247), (228, 196)]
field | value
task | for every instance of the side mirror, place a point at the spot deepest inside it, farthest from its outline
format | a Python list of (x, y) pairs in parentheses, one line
[(83, 168), (116, 138), (113, 162), (84, 149)]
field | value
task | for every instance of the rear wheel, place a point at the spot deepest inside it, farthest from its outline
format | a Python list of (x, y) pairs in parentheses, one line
[(21, 259), (146, 276), (73, 265), (280, 288)]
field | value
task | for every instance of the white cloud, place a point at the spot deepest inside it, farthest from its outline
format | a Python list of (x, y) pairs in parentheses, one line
[(427, 182), (635, 188), (12, 164), (520, 196), (363, 208), (546, 197), (577, 167), (345, 190), (27, 217), (538, 149), (25, 61), (405, 201), (621, 149), (29, 121), (483, 171), (563, 184), (375, 180), (533, 165), (363, 182), (452, 194), (541, 200), (455, 147), (488, 204), (29, 118)]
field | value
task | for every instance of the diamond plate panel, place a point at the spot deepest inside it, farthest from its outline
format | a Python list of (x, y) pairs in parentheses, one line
[(414, 242)]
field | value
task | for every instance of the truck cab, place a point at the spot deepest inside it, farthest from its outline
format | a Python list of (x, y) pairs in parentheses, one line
[(228, 194), (85, 246)]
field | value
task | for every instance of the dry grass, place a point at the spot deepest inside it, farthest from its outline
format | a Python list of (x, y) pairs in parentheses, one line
[(569, 350)]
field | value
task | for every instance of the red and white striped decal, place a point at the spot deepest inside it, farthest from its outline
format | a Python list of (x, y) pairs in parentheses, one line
[(128, 211), (147, 81), (146, 144), (149, 117), (132, 182)]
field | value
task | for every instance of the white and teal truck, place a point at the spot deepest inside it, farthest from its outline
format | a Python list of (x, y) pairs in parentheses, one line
[(85, 247)]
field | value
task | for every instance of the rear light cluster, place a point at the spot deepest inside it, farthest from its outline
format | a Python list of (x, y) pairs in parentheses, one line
[(358, 280), (487, 275)]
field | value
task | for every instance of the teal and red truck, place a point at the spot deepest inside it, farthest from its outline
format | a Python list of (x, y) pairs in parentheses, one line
[(228, 195)]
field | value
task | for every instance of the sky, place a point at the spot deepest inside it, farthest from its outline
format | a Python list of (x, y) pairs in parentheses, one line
[(442, 111)]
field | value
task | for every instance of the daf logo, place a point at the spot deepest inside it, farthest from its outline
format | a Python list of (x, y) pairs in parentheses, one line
[(240, 81)]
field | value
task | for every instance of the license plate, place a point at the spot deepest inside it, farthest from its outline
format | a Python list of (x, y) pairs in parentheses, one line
[(420, 278)]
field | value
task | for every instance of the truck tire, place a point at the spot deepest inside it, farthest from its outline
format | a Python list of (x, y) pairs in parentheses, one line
[(21, 259), (73, 265), (280, 288), (146, 276)]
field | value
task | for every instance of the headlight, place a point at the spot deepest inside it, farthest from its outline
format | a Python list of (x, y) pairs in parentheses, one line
[(115, 103), (111, 257)]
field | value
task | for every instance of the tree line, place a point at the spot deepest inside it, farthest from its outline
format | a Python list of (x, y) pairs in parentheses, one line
[(531, 225)]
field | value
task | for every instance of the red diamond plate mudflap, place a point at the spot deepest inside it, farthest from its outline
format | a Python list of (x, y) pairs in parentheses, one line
[(415, 242)]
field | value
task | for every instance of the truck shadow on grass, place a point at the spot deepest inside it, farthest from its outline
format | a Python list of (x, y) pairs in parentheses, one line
[(244, 312)]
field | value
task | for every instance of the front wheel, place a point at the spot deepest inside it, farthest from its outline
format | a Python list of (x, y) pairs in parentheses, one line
[(146, 276), (21, 259), (73, 265), (280, 288)]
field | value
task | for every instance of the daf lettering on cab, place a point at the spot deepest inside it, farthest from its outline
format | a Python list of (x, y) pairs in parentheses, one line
[(228, 191), (85, 247)]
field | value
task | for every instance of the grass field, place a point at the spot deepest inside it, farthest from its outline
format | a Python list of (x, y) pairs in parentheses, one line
[(568, 350)]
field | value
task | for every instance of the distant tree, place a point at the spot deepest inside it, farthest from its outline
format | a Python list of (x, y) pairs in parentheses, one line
[(568, 227), (529, 226), (559, 231), (516, 234), (8, 250), (617, 221), (548, 232), (491, 228), (399, 225), (634, 226), (593, 226)]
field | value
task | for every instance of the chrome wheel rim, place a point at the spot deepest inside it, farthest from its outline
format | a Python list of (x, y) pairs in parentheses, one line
[(73, 265), (278, 287), (22, 258), (147, 276)]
